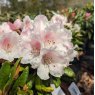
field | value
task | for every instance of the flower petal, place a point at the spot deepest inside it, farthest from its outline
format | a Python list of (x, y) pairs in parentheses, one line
[(7, 29), (40, 23), (71, 54), (9, 45), (35, 62), (43, 72), (51, 56), (26, 59), (18, 24), (12, 26), (66, 34), (59, 19), (27, 24), (56, 69)]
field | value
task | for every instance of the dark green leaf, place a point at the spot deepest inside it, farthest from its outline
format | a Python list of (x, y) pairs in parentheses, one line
[(11, 77), (4, 74)]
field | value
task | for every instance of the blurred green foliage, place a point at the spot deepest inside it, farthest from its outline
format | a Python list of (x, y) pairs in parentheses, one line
[(85, 19)]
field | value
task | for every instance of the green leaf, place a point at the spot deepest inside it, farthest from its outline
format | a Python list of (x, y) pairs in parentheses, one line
[(21, 92), (57, 82), (23, 78), (89, 35), (11, 77), (4, 74), (79, 42), (69, 72), (15, 67), (21, 81), (29, 84), (41, 87), (30, 92), (39, 93)]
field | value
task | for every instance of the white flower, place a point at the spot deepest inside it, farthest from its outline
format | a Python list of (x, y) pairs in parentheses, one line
[(46, 45), (9, 46), (55, 48), (48, 62), (31, 37)]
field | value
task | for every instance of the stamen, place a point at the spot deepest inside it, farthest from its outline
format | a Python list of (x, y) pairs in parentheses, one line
[(35, 51), (47, 60)]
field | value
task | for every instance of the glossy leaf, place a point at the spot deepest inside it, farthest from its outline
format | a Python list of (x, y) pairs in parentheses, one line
[(21, 81), (4, 74), (57, 82), (69, 72), (11, 77), (41, 87)]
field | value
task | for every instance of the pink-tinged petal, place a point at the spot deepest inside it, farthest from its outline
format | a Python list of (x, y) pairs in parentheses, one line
[(49, 35), (18, 24), (51, 56), (27, 28), (12, 26), (9, 46), (8, 41), (56, 70), (26, 35), (40, 23), (88, 14), (36, 47), (51, 39), (6, 44), (7, 29), (59, 19), (43, 72), (27, 24)]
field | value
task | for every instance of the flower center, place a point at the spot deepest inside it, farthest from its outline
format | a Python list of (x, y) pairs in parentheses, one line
[(50, 39), (51, 42), (47, 59), (35, 47), (35, 51), (6, 45)]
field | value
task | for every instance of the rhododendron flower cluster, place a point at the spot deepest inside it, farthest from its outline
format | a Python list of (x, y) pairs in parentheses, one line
[(45, 44)]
